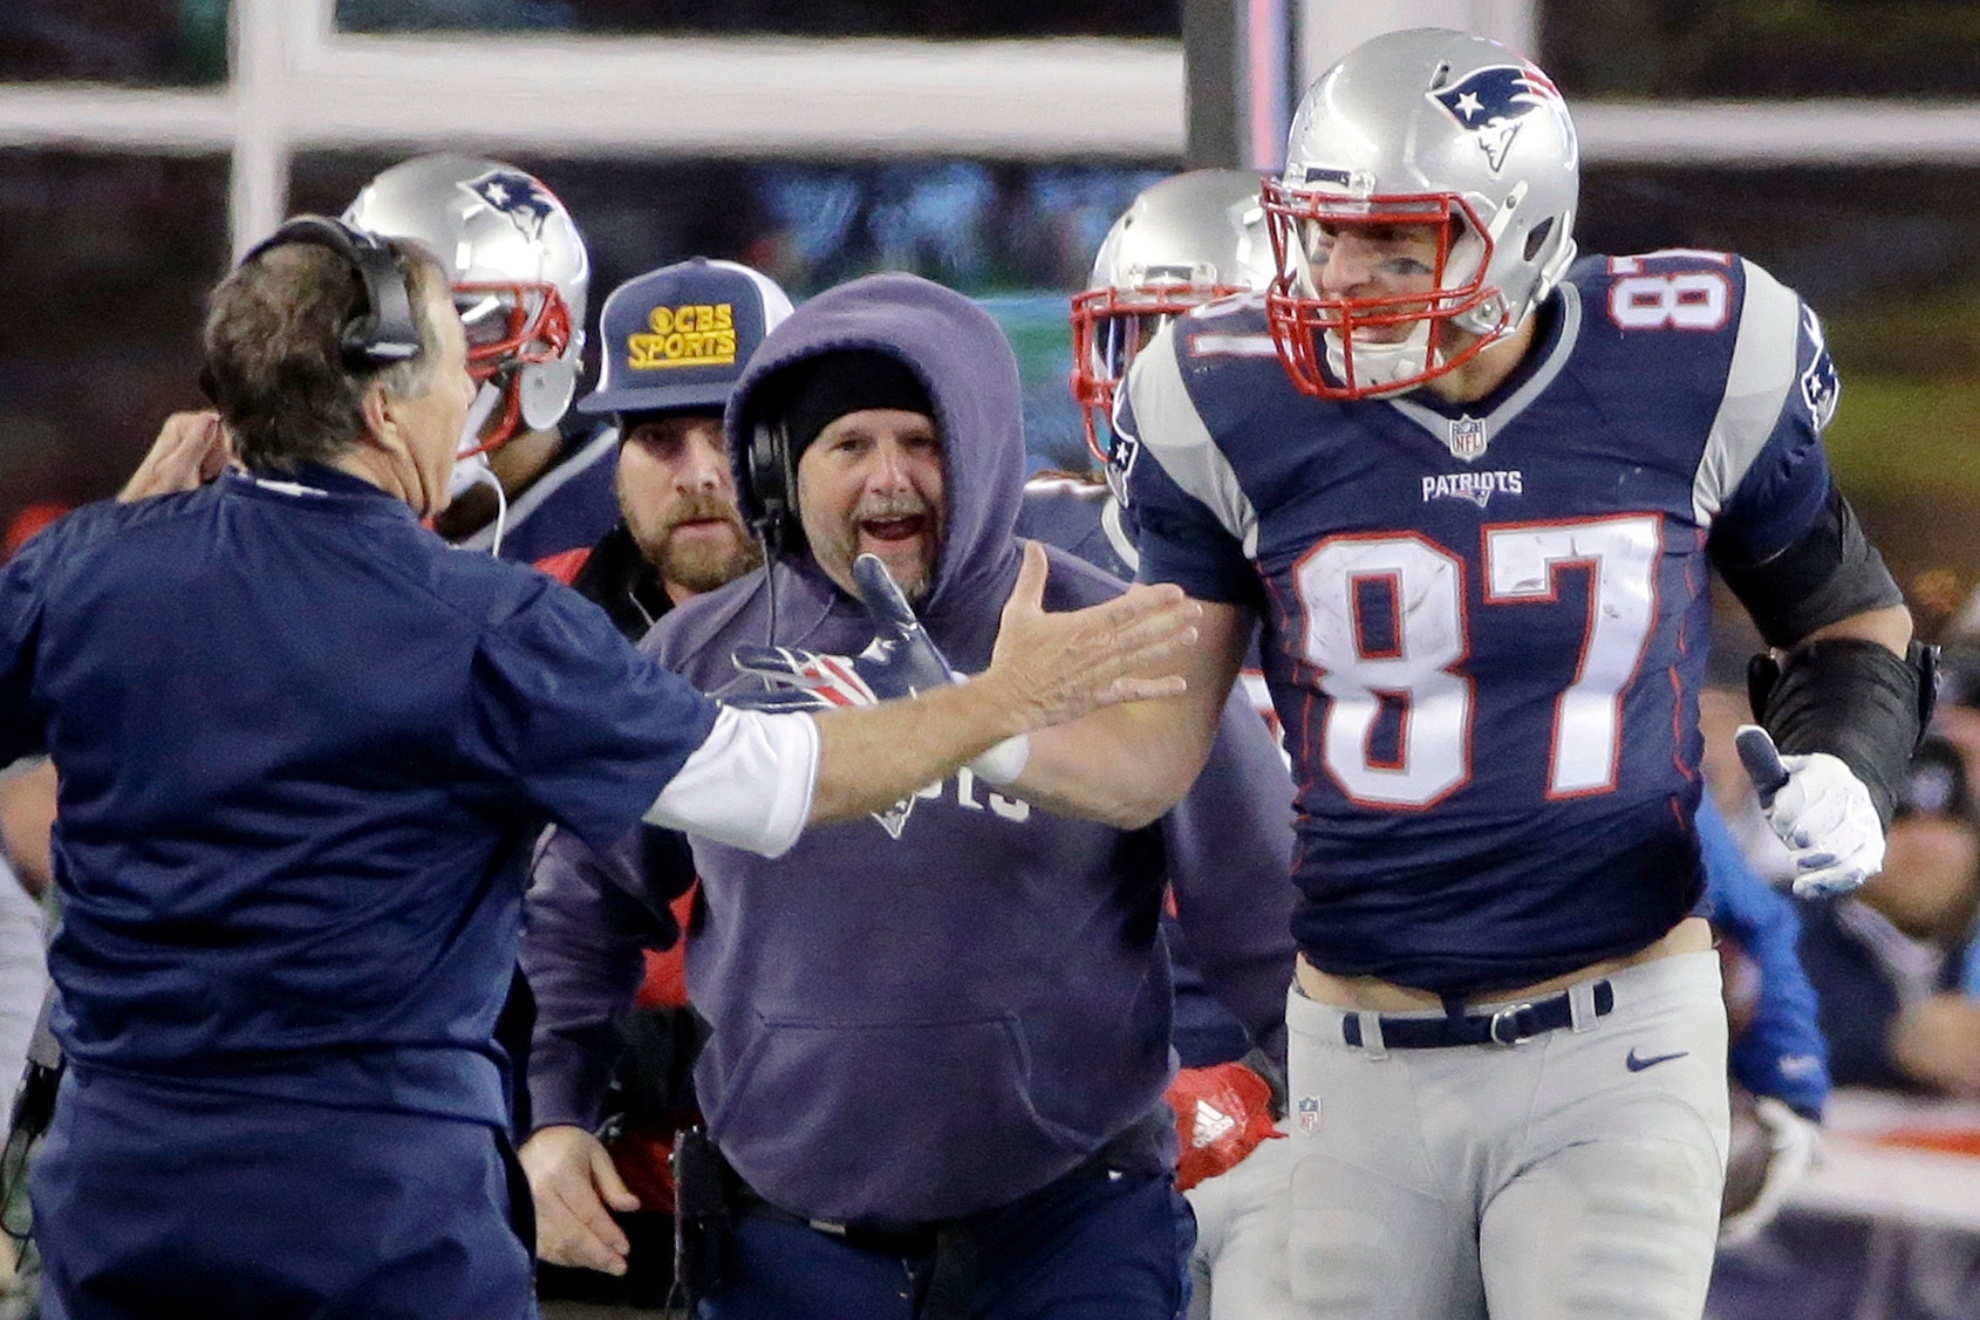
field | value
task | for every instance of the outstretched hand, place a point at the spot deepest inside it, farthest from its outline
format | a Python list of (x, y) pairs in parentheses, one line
[(901, 661), (1061, 666), (1047, 669), (902, 656)]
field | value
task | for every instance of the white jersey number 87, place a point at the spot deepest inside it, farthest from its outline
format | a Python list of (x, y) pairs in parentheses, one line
[(1423, 670)]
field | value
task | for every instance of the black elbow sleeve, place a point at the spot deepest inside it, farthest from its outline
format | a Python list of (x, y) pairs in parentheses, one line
[(1852, 699)]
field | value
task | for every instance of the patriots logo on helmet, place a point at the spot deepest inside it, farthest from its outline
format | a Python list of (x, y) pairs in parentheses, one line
[(1493, 104), (517, 196)]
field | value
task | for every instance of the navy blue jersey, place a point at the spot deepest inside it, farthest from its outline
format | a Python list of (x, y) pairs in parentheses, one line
[(1484, 628), (305, 748), (567, 508), (1081, 517)]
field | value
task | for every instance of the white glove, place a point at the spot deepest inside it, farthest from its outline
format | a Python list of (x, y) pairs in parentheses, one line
[(1793, 1145), (1820, 810)]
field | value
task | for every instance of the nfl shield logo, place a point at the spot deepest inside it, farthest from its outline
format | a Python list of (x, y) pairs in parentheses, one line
[(1309, 1113), (1468, 438)]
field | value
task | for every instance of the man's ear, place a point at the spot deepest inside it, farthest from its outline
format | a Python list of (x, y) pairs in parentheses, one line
[(381, 426)]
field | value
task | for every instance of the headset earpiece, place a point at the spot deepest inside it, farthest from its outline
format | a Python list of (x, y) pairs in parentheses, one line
[(772, 483), (381, 332)]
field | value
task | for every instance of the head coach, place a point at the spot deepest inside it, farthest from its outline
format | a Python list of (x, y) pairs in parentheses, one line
[(304, 750)]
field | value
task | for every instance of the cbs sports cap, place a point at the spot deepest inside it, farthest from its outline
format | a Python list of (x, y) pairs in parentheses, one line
[(677, 339)]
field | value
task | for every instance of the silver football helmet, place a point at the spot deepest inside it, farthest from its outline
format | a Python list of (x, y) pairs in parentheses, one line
[(520, 275), (1184, 241), (1421, 128)]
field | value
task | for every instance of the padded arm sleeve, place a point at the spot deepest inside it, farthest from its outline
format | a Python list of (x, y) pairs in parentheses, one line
[(1854, 700)]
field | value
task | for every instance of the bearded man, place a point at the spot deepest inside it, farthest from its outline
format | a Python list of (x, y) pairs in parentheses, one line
[(676, 342)]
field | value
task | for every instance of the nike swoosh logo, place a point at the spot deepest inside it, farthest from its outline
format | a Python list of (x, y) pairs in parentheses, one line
[(1638, 1065)]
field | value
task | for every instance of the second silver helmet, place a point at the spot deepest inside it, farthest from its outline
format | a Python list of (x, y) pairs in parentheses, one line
[(1182, 242)]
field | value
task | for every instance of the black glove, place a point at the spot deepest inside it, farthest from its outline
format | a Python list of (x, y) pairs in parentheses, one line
[(901, 661)]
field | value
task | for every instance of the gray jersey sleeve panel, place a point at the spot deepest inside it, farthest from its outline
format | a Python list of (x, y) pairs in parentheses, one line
[(1765, 358), (1171, 429)]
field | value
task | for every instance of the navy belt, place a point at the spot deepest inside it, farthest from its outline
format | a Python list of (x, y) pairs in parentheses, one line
[(1502, 1026), (907, 1238), (883, 1237)]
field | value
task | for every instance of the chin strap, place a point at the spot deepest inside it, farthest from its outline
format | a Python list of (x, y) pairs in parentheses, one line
[(486, 476), (491, 395), (471, 466), (469, 473)]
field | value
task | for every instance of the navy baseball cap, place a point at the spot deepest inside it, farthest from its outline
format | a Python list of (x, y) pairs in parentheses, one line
[(677, 339)]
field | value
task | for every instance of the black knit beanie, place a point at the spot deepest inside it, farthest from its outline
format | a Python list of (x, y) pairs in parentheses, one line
[(827, 387)]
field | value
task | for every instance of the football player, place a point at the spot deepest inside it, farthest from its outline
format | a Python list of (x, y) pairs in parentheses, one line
[(1472, 491), (1184, 242), (1188, 240), (520, 274), (523, 489)]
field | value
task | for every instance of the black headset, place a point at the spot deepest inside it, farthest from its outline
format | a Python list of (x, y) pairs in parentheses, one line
[(770, 479), (380, 331), (772, 482)]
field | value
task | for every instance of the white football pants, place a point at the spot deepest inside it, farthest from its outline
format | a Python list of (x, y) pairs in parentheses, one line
[(1575, 1176), (1239, 1268)]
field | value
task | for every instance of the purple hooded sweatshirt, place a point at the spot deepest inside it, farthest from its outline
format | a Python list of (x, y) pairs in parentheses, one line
[(935, 1012)]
